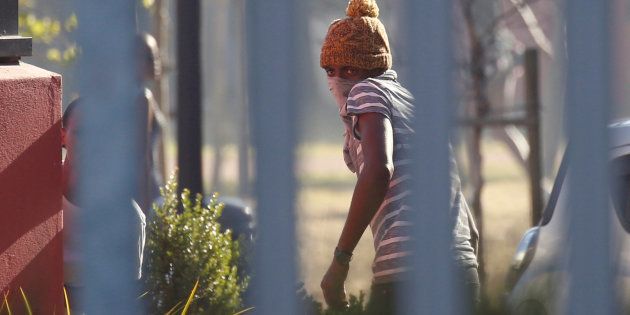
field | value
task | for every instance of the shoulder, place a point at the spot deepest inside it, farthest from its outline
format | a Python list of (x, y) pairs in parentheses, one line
[(368, 96), (367, 87)]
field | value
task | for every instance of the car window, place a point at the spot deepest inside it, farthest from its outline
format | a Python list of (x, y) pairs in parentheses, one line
[(620, 189), (555, 192)]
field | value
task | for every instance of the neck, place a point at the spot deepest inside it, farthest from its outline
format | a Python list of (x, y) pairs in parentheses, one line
[(376, 72)]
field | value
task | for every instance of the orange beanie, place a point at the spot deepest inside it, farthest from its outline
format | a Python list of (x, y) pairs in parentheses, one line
[(359, 40)]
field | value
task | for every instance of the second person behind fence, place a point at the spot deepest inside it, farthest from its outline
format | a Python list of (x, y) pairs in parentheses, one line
[(73, 255)]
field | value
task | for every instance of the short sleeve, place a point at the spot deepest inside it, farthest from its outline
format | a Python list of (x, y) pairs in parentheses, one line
[(366, 97)]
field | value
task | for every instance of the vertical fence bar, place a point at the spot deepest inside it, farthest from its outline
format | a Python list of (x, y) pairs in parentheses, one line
[(244, 176), (428, 36), (532, 103), (8, 17), (273, 97), (588, 101), (189, 95), (108, 152)]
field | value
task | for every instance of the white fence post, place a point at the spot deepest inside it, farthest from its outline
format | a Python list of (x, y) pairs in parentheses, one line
[(107, 148), (273, 92), (428, 38), (588, 102)]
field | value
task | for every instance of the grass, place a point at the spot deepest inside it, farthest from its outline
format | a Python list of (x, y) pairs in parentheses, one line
[(190, 298), (65, 297), (29, 311), (5, 304), (506, 215), (26, 304)]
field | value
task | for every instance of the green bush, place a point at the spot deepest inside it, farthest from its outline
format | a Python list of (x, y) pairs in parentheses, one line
[(356, 304), (183, 248)]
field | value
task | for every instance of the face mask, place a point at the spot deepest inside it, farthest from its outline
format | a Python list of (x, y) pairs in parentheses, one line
[(340, 88)]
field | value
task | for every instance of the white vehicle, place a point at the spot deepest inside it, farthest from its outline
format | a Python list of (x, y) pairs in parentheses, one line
[(537, 280)]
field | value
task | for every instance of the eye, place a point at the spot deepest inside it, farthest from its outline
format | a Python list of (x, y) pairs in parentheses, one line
[(350, 71), (329, 72)]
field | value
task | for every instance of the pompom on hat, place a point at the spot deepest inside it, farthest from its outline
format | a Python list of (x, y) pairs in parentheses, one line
[(359, 40)]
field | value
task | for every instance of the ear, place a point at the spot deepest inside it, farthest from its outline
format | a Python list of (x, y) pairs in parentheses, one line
[(63, 137)]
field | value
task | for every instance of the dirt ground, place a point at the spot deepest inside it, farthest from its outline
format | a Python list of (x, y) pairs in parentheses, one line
[(324, 195)]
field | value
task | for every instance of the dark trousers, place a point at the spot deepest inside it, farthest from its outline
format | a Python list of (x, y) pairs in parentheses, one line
[(384, 296)]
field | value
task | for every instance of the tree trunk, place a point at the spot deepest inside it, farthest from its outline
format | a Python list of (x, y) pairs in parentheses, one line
[(478, 109)]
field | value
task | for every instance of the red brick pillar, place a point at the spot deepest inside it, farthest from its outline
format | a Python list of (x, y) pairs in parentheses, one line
[(30, 188)]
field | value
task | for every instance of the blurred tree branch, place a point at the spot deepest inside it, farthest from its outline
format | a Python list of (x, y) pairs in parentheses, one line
[(51, 31), (517, 6), (482, 50)]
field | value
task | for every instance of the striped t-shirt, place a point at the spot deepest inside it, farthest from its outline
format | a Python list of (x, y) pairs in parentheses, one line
[(391, 225)]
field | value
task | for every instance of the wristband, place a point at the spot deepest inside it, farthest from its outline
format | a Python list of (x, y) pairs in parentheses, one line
[(342, 257)]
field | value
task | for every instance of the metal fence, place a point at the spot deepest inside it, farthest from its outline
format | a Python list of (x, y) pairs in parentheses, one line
[(107, 81), (588, 102), (428, 32), (274, 92), (108, 141)]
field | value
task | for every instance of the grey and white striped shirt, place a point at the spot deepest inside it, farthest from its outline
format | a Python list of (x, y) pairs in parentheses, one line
[(391, 225)]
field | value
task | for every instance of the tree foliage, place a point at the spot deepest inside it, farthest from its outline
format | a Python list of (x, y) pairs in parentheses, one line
[(53, 32)]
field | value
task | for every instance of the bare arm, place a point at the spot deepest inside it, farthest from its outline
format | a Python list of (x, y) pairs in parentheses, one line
[(377, 142)]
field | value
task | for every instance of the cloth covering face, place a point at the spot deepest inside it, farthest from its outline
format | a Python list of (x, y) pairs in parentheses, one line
[(340, 89)]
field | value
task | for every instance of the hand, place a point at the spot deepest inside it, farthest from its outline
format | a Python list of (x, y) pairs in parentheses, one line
[(333, 285)]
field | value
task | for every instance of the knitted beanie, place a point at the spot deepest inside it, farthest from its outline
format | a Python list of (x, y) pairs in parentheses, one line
[(359, 40)]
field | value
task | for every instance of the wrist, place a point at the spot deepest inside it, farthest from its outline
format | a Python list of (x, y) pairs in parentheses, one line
[(342, 257)]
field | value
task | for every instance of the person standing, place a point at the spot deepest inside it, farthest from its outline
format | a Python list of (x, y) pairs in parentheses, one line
[(73, 255), (376, 111), (152, 122)]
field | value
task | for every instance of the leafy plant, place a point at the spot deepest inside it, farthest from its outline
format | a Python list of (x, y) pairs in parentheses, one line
[(148, 4), (356, 304), (188, 246)]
